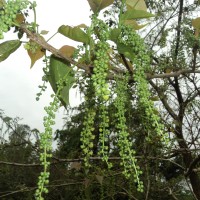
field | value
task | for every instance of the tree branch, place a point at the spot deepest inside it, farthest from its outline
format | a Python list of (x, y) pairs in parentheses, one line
[(163, 100), (126, 64), (192, 165), (173, 74), (59, 161), (179, 29), (34, 188), (39, 40)]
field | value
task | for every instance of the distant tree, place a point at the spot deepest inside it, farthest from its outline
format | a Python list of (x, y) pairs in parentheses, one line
[(16, 150), (19, 164)]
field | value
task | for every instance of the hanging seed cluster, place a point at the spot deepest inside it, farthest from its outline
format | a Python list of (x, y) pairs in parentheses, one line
[(46, 147), (104, 133), (141, 61), (87, 136), (126, 151), (101, 59)]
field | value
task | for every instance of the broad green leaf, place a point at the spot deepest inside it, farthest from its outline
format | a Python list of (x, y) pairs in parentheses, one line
[(114, 34), (8, 47), (58, 70), (36, 55), (136, 4), (134, 24), (126, 50), (97, 5), (74, 33), (136, 14)]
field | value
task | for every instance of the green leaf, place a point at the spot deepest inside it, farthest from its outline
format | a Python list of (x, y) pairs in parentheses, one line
[(136, 14), (74, 33), (58, 70), (114, 34), (126, 50), (122, 48), (136, 4), (97, 5), (134, 24), (7, 48), (44, 32)]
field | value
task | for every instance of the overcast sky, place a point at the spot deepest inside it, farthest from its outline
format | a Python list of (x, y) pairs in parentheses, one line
[(19, 83)]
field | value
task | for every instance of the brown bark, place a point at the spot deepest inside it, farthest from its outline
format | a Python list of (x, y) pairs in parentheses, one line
[(188, 159)]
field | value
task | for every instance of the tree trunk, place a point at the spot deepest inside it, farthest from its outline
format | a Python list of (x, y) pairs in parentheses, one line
[(187, 159)]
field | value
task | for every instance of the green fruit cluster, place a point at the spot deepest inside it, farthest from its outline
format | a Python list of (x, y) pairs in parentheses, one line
[(126, 152), (9, 12), (87, 136), (46, 147), (43, 87), (141, 62), (104, 134), (101, 61)]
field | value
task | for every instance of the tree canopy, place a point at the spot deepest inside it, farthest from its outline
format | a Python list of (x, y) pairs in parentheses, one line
[(136, 135)]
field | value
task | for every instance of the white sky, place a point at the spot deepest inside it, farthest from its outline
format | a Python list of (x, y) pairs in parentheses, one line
[(18, 83)]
